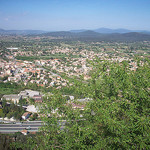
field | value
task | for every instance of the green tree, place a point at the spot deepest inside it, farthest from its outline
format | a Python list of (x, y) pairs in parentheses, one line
[(23, 102), (2, 115), (34, 117), (5, 142), (117, 117), (9, 115)]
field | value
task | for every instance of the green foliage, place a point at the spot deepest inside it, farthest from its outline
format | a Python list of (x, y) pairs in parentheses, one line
[(23, 102), (2, 115), (46, 57), (117, 117), (34, 117), (5, 142), (9, 88), (12, 110), (24, 141), (31, 101)]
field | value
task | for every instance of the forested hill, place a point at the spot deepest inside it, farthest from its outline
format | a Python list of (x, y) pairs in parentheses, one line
[(102, 34), (95, 36)]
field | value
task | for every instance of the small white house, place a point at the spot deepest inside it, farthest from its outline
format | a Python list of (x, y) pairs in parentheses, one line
[(26, 115)]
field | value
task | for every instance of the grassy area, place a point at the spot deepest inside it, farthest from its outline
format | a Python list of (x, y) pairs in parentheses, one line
[(9, 88), (54, 56)]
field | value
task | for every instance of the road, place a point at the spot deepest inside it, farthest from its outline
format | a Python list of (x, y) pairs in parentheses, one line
[(31, 126), (17, 127)]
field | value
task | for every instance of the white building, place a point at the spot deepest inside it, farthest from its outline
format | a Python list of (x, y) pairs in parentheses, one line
[(26, 115)]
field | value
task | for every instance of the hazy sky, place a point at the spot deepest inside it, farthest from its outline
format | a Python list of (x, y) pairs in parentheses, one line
[(54, 15)]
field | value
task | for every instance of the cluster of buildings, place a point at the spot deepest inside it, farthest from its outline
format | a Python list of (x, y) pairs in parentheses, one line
[(29, 72), (41, 72), (15, 98)]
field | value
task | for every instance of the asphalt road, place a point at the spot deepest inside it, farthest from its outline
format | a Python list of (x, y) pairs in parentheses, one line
[(17, 129), (12, 128), (17, 126), (31, 126)]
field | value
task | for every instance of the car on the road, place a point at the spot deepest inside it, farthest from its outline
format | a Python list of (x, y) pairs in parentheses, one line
[(18, 123), (28, 128)]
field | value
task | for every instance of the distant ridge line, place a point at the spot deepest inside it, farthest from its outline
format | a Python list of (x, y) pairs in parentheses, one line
[(99, 30)]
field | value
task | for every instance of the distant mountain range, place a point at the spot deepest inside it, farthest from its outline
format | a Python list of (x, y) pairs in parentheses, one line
[(109, 31), (95, 36), (101, 34), (20, 32), (100, 30)]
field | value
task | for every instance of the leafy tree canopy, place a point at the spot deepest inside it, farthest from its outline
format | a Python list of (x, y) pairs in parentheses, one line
[(117, 117)]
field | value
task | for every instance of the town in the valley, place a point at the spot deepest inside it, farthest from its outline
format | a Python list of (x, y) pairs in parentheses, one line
[(31, 68)]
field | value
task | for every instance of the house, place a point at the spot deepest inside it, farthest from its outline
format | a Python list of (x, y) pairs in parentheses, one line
[(38, 98), (12, 78), (32, 93), (24, 94), (12, 97), (26, 115), (76, 106), (25, 132)]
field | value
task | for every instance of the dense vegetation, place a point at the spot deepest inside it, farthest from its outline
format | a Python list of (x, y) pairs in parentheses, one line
[(85, 35), (8, 139), (11, 110), (56, 56), (9, 88), (95, 36), (117, 117)]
